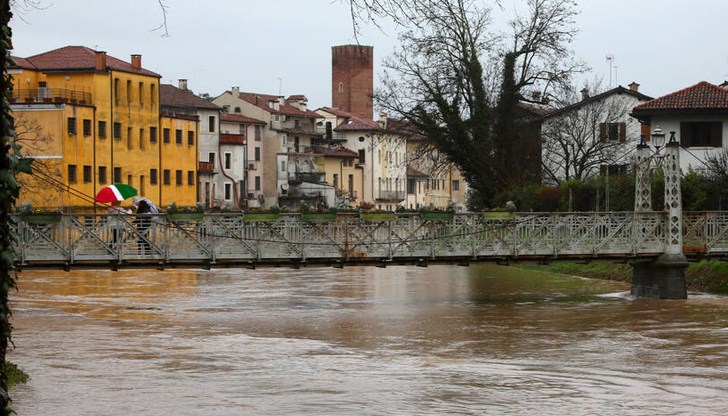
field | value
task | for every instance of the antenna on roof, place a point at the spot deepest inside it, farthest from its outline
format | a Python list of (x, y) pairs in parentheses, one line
[(610, 58), (280, 86)]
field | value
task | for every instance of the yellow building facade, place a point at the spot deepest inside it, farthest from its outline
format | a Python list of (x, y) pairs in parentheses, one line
[(96, 121)]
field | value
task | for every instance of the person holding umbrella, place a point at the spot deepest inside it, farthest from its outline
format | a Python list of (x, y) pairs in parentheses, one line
[(144, 210), (113, 195)]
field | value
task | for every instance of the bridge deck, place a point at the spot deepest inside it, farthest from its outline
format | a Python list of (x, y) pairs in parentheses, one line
[(219, 240)]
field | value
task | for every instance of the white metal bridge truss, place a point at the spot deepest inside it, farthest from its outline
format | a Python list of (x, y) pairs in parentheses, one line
[(218, 240)]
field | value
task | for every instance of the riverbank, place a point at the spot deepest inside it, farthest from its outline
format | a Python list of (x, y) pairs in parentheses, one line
[(709, 276)]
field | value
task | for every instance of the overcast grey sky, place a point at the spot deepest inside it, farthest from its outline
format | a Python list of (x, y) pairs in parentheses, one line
[(285, 45)]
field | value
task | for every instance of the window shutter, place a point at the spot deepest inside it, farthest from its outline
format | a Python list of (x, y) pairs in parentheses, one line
[(602, 132), (622, 132), (716, 133)]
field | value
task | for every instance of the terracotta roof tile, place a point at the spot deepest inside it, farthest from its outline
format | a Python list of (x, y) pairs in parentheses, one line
[(701, 96), (171, 96), (339, 151), (262, 100), (238, 118), (77, 58), (352, 122)]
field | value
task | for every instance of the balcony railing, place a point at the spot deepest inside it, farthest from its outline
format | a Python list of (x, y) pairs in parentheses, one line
[(391, 196), (311, 177), (206, 168), (236, 139), (50, 95)]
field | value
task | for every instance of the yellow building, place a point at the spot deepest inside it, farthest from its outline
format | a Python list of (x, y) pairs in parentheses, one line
[(95, 120), (339, 165)]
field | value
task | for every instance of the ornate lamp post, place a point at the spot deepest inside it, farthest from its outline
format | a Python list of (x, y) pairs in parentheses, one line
[(665, 277)]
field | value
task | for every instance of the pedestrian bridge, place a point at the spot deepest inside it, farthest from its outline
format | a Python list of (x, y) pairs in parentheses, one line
[(248, 240)]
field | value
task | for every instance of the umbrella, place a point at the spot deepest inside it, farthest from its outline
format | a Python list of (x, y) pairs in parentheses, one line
[(115, 192)]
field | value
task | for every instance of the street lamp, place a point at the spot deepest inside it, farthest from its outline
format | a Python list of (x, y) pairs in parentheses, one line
[(658, 138)]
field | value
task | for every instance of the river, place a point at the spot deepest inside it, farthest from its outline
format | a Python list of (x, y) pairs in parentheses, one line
[(435, 340)]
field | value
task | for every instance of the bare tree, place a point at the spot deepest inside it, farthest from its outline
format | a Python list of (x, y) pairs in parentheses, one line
[(460, 83), (586, 133), (33, 143)]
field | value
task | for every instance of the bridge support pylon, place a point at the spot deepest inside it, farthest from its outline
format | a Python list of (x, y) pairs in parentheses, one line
[(663, 278)]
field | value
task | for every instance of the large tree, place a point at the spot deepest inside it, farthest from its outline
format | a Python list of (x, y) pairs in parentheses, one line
[(460, 82), (586, 132)]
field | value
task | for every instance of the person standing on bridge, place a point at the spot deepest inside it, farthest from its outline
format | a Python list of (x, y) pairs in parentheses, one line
[(145, 209), (115, 222)]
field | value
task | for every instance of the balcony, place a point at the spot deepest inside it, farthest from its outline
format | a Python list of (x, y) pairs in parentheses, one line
[(310, 177), (391, 196), (50, 95), (233, 139), (206, 168)]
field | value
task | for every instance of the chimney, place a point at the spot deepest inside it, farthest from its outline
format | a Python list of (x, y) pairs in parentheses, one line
[(584, 94), (634, 86), (383, 119), (100, 61), (182, 84), (236, 91), (136, 61)]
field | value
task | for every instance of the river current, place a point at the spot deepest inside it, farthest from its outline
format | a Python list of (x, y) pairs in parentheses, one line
[(440, 340)]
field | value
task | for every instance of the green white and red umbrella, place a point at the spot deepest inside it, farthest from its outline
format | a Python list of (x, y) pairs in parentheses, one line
[(115, 192)]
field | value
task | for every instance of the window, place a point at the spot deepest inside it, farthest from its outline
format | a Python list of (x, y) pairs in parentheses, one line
[(191, 177), (211, 124), (71, 125), (612, 132), (141, 139), (102, 174), (178, 136), (178, 177), (283, 165), (117, 131), (211, 157), (130, 180), (128, 91), (116, 90), (257, 154), (257, 133), (87, 174), (362, 156), (228, 160), (165, 135), (166, 177), (411, 185), (153, 94), (336, 180), (152, 135), (152, 176), (117, 175), (228, 191), (701, 134), (190, 138), (237, 109), (257, 183), (141, 94), (129, 143), (102, 129), (141, 185), (86, 127), (72, 174), (341, 87), (455, 185)]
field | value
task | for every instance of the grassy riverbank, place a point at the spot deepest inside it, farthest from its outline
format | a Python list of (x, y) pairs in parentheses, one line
[(709, 276)]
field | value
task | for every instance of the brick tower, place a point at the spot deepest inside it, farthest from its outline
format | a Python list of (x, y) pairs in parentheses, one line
[(352, 79)]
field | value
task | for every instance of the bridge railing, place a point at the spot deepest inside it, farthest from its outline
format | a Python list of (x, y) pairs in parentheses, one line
[(242, 238)]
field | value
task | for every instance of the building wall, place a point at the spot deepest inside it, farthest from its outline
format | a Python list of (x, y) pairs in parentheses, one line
[(352, 76), (177, 158)]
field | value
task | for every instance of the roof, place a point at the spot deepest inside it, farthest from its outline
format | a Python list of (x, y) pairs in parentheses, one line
[(262, 100), (239, 118), (75, 58), (618, 90), (351, 122), (412, 172), (171, 96), (701, 97), (339, 151)]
